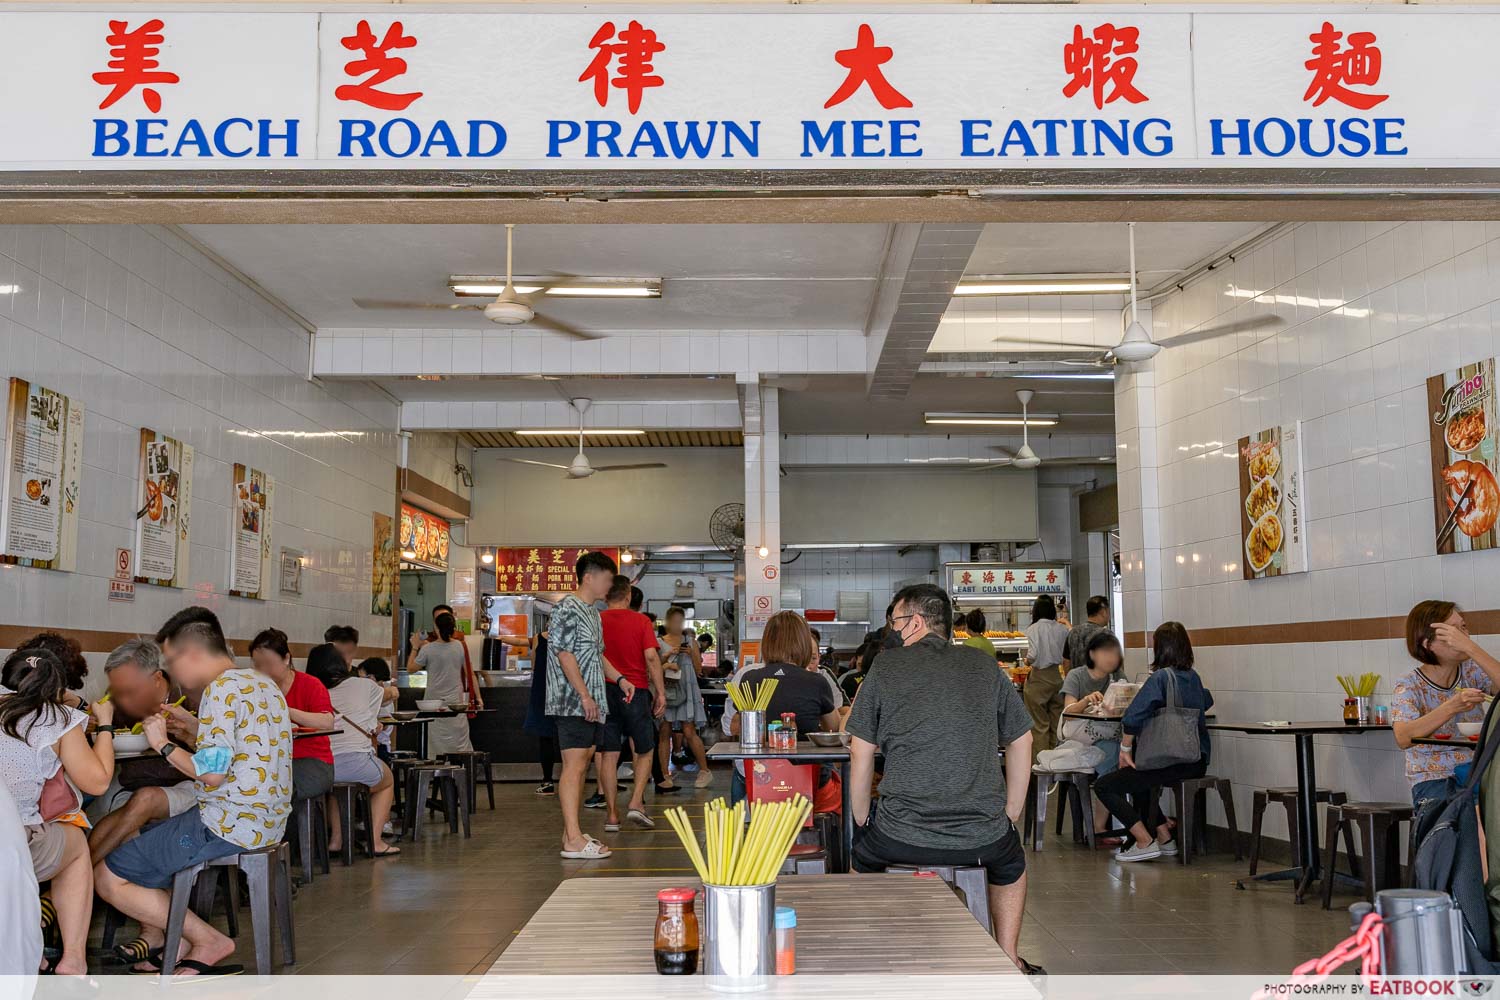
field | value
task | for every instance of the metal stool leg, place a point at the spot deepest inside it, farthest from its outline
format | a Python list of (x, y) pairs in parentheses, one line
[(177, 908), (282, 873)]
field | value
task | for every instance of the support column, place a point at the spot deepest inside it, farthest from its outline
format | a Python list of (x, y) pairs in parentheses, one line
[(1140, 515), (762, 587)]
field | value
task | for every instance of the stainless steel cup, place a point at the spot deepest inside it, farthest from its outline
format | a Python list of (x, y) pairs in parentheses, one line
[(753, 730), (1364, 710), (739, 930)]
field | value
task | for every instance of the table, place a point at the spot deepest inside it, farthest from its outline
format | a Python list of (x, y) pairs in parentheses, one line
[(1307, 785), (891, 924), (1456, 742), (310, 733), (1096, 716), (806, 753), (422, 725)]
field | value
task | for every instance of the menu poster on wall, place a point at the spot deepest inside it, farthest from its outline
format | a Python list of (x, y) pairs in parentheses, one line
[(1463, 431), (1273, 520), (163, 515), (424, 538), (43, 456), (250, 532), (385, 570), (541, 569)]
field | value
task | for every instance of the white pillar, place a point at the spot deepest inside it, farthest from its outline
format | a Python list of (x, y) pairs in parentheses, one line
[(762, 509), (1140, 515)]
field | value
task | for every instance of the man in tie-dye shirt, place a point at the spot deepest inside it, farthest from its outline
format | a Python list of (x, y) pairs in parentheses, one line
[(242, 773)]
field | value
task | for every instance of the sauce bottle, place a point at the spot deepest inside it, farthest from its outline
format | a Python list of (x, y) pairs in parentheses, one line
[(676, 941), (789, 730)]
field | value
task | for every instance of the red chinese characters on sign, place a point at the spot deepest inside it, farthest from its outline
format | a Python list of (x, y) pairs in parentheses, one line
[(967, 578), (1052, 576), (631, 52), (539, 569), (1030, 576), (863, 63), (1010, 577), (1104, 63), (1336, 67), (989, 576), (382, 67), (133, 63)]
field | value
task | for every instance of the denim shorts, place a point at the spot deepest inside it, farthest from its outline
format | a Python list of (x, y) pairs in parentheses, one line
[(165, 849)]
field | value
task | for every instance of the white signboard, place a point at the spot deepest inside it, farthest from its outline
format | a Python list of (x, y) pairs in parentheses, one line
[(735, 88), (972, 581)]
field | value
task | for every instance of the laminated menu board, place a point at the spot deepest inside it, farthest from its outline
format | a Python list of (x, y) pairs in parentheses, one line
[(424, 538), (385, 571), (249, 532), (1273, 514), (163, 510), (1462, 430), (43, 459)]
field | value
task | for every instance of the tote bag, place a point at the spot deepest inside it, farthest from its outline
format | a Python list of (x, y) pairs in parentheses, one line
[(1171, 735)]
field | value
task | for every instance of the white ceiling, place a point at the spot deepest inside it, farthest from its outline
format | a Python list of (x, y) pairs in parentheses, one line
[(1162, 248), (600, 389)]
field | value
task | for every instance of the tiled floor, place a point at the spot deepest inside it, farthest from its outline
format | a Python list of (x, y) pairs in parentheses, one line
[(447, 905)]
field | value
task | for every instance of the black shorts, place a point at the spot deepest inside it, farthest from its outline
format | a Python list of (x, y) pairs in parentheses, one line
[(630, 722), (1003, 861), (574, 732)]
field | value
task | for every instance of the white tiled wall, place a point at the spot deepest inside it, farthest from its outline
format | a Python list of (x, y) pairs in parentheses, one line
[(434, 456), (148, 332), (1367, 312), (972, 323)]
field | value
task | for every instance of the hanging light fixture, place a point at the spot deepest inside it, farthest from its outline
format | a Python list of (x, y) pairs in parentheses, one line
[(763, 552), (626, 556), (487, 558)]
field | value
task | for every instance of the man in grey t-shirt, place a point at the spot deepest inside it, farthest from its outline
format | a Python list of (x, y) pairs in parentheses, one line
[(1097, 609), (939, 713)]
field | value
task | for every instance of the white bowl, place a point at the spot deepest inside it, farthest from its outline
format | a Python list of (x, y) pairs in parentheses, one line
[(431, 705), (131, 743), (1469, 728)]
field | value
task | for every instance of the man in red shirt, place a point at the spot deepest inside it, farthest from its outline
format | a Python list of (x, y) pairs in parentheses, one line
[(630, 646)]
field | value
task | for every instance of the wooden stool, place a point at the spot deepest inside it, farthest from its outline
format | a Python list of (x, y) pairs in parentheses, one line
[(1287, 799), (1379, 825), (1192, 825), (970, 882), (476, 763), (1042, 781), (353, 798), (312, 835), (268, 874), (450, 779)]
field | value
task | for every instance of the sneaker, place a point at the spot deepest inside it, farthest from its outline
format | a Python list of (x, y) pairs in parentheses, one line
[(595, 801), (627, 771), (704, 779), (1169, 849), (546, 788), (689, 768), (1134, 852)]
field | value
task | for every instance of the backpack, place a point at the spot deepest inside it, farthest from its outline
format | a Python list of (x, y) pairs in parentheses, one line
[(1447, 858)]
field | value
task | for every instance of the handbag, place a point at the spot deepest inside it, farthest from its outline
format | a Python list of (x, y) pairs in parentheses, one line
[(1171, 735), (58, 798)]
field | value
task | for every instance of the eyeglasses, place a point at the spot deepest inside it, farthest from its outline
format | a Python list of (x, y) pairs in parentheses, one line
[(901, 620)]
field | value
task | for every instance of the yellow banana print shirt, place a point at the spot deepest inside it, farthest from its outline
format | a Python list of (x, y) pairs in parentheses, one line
[(246, 714)]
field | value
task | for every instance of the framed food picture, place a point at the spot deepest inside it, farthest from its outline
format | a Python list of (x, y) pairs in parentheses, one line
[(1462, 431), (1273, 516)]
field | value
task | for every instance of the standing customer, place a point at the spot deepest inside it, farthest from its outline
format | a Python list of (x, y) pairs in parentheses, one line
[(1173, 681), (1097, 609), (536, 722), (356, 702), (684, 699), (1449, 685), (975, 624), (309, 706), (242, 768), (939, 713), (630, 647), (1045, 638), (576, 703), (445, 661), (41, 737)]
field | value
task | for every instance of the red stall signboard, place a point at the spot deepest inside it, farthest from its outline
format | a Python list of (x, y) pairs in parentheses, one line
[(541, 569)]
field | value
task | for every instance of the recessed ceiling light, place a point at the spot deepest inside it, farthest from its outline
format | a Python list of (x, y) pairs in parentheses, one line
[(1043, 286), (570, 431), (991, 419), (488, 286)]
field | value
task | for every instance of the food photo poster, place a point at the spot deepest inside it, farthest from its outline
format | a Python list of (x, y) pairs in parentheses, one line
[(1273, 516), (163, 510), (1462, 430), (43, 459)]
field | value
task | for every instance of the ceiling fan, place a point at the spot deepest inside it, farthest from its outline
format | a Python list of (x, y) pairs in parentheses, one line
[(1136, 344), (580, 467), (509, 308), (1023, 457)]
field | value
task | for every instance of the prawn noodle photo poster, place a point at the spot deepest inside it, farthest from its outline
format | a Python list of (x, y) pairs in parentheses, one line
[(163, 510), (249, 532), (39, 502), (1273, 516), (1466, 497)]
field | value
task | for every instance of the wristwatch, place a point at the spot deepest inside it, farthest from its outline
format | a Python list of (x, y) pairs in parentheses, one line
[(166, 751), (104, 729)]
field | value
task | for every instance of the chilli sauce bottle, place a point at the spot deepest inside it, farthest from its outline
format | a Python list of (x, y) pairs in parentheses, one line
[(676, 933)]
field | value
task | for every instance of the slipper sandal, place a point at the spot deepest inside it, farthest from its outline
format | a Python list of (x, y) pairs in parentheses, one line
[(153, 958), (389, 852), (203, 969), (640, 819), (138, 950), (592, 850), (611, 827)]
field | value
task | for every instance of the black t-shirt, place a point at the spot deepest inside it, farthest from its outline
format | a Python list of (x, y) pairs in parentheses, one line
[(804, 693)]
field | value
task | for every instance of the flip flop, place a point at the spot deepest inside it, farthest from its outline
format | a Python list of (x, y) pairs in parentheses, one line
[(611, 827), (639, 818), (153, 958), (204, 969), (388, 852), (138, 950), (592, 850)]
